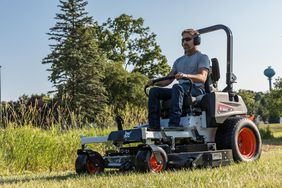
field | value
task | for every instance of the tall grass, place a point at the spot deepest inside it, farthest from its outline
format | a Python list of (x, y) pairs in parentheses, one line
[(33, 149), (29, 144), (37, 114), (132, 115), (46, 115)]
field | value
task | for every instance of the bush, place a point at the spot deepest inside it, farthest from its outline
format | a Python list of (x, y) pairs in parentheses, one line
[(266, 133)]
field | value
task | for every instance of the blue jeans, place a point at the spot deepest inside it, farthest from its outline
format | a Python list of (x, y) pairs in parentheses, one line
[(176, 94)]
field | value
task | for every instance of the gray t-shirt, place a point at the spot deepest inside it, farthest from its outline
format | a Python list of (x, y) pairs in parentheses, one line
[(191, 65)]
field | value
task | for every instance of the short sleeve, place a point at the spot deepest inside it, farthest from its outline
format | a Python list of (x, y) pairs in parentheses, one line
[(204, 62), (174, 70)]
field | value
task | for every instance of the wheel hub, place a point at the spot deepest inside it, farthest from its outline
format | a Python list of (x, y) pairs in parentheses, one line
[(247, 143)]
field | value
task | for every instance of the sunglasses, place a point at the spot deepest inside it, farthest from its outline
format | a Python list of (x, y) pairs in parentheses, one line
[(187, 39)]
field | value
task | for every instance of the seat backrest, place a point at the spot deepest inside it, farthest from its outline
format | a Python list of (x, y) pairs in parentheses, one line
[(215, 74), (213, 77)]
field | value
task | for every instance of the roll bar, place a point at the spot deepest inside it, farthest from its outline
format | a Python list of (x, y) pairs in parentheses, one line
[(230, 77)]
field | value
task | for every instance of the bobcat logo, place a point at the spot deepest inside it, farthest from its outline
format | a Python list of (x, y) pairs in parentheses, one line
[(127, 134)]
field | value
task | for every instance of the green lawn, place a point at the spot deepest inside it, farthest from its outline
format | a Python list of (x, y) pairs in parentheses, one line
[(266, 172)]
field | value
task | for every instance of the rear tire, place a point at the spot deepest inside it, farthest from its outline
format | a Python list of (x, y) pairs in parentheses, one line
[(242, 136)]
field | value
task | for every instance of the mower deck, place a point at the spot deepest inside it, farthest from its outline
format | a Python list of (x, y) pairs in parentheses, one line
[(178, 155)]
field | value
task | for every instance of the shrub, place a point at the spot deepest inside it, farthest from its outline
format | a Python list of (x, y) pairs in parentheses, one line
[(266, 133)]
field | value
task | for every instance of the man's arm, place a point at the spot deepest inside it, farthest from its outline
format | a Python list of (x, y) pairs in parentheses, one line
[(201, 77), (164, 82)]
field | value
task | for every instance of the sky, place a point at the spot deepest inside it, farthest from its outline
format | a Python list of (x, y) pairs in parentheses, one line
[(255, 24)]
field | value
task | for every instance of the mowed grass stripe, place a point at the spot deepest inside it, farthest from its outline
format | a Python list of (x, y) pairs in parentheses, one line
[(266, 172)]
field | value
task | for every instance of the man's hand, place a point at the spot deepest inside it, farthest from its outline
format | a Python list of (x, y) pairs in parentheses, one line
[(180, 75)]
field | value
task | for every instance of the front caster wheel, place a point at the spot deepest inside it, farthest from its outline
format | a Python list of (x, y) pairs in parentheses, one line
[(90, 162), (146, 160)]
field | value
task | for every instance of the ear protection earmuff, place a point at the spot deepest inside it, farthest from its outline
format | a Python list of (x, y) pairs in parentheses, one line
[(197, 40)]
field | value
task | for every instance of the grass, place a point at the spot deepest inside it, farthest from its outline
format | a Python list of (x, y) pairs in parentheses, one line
[(271, 133), (276, 129), (266, 172), (25, 149)]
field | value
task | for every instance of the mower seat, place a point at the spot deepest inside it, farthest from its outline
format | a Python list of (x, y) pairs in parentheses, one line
[(210, 86), (214, 76)]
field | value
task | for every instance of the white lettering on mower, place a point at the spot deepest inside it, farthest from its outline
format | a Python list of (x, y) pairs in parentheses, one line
[(127, 134)]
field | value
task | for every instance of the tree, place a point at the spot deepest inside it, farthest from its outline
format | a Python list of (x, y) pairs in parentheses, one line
[(249, 99), (124, 87), (126, 40), (274, 101), (261, 105), (256, 103), (278, 83), (77, 64)]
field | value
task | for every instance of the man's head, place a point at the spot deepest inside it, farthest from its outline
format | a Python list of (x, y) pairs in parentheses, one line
[(190, 38)]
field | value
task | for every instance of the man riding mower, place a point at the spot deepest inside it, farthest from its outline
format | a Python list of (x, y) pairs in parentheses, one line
[(206, 127)]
